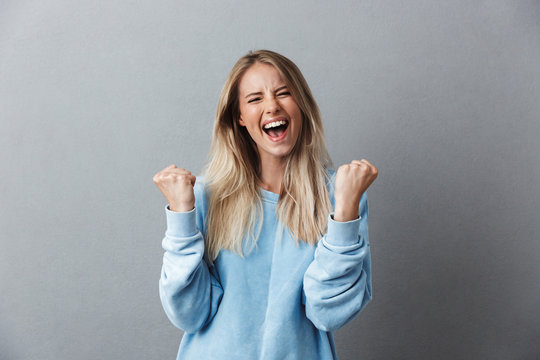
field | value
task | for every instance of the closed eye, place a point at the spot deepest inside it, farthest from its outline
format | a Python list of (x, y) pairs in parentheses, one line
[(285, 93), (254, 100)]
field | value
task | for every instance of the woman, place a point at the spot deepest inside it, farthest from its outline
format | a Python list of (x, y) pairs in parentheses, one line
[(256, 264)]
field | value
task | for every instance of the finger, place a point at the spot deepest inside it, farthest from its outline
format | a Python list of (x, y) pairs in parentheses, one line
[(370, 166), (184, 178), (171, 177), (359, 164), (162, 172), (364, 161), (178, 171)]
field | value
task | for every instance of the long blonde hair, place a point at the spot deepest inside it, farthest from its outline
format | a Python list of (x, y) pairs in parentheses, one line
[(232, 173)]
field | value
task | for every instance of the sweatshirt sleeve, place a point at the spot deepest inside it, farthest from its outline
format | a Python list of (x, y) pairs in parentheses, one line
[(189, 289), (337, 284)]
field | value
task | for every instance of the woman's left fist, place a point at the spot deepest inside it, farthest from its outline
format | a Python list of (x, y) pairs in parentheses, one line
[(352, 180)]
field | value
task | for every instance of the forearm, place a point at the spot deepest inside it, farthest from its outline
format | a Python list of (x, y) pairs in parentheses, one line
[(346, 212), (337, 284), (189, 293)]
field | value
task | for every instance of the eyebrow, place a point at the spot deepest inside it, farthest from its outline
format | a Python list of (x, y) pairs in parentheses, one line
[(260, 93)]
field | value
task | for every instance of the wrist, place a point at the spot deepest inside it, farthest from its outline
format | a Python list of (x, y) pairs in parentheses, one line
[(181, 207), (345, 214)]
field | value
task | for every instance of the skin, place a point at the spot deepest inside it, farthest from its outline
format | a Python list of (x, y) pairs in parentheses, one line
[(263, 96), (352, 180)]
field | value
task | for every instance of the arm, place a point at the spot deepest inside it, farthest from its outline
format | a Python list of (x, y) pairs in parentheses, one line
[(190, 293), (337, 284)]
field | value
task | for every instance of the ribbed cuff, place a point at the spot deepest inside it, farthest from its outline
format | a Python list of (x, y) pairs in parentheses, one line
[(342, 233), (181, 224)]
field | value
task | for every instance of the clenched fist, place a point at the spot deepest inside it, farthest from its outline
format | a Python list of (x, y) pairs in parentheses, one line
[(351, 182), (177, 187)]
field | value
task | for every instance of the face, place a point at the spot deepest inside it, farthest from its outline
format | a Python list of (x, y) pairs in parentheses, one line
[(269, 112)]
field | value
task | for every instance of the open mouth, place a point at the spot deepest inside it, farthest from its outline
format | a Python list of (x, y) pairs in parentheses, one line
[(276, 129)]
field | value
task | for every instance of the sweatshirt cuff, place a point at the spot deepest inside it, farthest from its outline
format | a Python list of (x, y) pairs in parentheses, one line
[(181, 224), (342, 233)]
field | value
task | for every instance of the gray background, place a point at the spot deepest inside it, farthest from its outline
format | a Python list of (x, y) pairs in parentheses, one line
[(442, 96)]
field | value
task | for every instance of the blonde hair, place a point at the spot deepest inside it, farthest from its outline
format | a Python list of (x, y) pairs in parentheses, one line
[(232, 173)]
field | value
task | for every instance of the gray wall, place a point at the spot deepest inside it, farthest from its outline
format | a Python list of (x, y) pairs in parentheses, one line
[(443, 96)]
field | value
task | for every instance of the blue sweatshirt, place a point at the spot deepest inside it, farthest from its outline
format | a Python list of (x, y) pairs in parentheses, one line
[(280, 301)]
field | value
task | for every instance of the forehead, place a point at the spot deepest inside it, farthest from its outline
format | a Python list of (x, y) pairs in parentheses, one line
[(260, 77)]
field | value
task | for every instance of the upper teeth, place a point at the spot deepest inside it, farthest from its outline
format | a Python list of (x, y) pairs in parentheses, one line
[(275, 124)]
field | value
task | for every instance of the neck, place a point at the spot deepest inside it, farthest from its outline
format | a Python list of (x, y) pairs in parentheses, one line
[(271, 176)]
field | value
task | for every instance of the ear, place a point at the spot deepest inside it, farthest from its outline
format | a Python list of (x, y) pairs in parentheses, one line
[(241, 121)]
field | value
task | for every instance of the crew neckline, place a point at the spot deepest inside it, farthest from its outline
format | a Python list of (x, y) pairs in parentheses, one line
[(268, 195)]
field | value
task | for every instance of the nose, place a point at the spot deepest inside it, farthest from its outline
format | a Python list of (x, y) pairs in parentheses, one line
[(272, 105)]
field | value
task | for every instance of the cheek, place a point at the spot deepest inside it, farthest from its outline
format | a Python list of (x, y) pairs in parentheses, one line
[(294, 110), (298, 117), (250, 116)]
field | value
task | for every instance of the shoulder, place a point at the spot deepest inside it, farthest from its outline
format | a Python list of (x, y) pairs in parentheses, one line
[(330, 176), (330, 179), (200, 190), (200, 186)]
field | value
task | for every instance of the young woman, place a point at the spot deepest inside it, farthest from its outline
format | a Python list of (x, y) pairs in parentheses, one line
[(267, 253)]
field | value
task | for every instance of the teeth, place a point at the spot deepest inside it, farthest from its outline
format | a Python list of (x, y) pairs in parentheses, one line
[(275, 124)]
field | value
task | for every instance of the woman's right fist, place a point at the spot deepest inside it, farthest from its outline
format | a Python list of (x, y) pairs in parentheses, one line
[(176, 184)]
